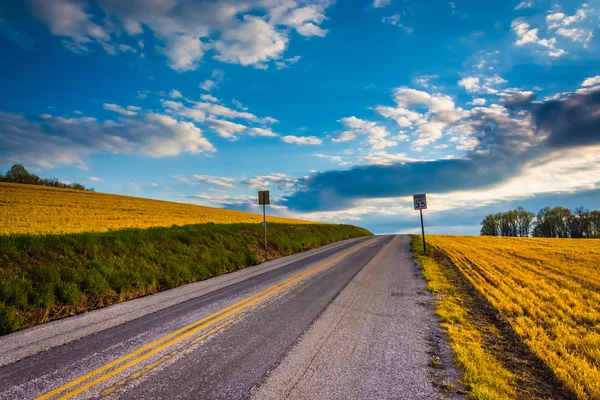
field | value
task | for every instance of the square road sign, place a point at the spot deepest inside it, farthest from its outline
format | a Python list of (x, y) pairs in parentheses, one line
[(263, 197), (420, 201)]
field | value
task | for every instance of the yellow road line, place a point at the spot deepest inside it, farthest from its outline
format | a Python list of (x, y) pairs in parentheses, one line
[(168, 356), (183, 333)]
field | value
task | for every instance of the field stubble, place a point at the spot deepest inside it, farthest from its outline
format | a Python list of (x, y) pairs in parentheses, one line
[(30, 209), (548, 290)]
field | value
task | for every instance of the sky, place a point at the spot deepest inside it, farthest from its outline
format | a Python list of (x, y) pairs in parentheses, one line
[(343, 110)]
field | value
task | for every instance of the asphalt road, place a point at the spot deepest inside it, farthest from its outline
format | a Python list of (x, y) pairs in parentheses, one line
[(351, 320)]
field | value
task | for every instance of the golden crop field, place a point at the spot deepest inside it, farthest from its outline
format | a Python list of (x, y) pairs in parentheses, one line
[(38, 209), (548, 290)]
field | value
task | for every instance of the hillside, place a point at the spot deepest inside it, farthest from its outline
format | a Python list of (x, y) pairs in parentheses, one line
[(37, 210)]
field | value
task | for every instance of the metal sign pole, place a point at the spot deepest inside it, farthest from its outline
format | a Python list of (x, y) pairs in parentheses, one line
[(423, 232), (263, 200), (265, 222)]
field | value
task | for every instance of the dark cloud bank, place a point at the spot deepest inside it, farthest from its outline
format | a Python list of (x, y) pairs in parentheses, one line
[(507, 141)]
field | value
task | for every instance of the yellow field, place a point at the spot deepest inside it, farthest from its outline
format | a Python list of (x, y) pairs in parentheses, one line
[(548, 290), (38, 209)]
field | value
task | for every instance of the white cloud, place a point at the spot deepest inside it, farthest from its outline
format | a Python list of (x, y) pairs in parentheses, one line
[(215, 180), (524, 4), (280, 181), (588, 90), (285, 63), (125, 48), (524, 34), (247, 33), (302, 140), (333, 159), (208, 97), (94, 179), (378, 136), (251, 41), (478, 102), (595, 80), (225, 129), (183, 51), (175, 94), (576, 34), (471, 84), (384, 158), (553, 20), (238, 105), (305, 18), (380, 3), (556, 20), (425, 80), (142, 94), (394, 19), (516, 96), (128, 112), (262, 132), (217, 77), (69, 141)]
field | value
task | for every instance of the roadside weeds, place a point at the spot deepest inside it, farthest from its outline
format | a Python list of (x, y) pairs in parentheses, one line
[(494, 363)]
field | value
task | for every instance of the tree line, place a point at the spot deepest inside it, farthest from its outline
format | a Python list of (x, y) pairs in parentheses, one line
[(18, 174), (557, 222)]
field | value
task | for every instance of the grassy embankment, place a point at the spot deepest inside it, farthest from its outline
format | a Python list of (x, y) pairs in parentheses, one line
[(65, 251), (46, 277)]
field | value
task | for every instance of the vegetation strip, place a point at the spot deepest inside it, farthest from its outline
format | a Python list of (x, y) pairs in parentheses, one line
[(47, 277), (484, 375), (122, 363), (547, 290)]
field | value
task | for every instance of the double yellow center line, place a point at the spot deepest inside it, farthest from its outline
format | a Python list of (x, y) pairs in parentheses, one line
[(115, 367)]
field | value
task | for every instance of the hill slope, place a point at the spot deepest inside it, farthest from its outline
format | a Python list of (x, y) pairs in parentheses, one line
[(37, 209)]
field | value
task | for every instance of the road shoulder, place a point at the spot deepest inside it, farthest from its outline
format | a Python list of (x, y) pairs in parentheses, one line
[(375, 340)]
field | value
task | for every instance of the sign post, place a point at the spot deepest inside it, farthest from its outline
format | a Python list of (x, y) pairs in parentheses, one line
[(420, 201), (263, 199)]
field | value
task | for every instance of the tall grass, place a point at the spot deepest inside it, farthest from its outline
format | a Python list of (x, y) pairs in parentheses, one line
[(45, 277)]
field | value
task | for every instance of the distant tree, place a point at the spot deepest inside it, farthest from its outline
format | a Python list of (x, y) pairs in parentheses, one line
[(490, 226), (524, 221), (18, 174), (557, 222), (595, 224)]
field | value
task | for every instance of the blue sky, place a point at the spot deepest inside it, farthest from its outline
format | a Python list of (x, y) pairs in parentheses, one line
[(342, 109)]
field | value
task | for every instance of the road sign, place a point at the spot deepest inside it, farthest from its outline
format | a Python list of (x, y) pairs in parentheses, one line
[(264, 224), (420, 201), (263, 197)]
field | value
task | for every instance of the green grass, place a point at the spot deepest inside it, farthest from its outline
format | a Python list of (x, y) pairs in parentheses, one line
[(46, 277)]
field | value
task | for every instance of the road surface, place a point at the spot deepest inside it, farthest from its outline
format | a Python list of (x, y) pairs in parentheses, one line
[(348, 321)]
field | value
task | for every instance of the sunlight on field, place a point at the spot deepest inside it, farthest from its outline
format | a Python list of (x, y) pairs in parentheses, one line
[(548, 290), (37, 209)]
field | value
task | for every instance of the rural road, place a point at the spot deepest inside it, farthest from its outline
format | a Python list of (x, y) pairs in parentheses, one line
[(348, 321)]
